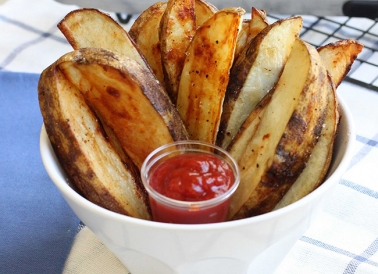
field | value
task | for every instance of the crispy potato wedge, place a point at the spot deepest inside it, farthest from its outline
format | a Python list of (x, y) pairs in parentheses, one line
[(127, 98), (248, 129), (317, 166), (295, 147), (84, 151), (85, 28), (268, 164), (258, 22), (145, 33), (339, 56), (241, 41), (206, 73), (250, 29), (254, 73), (204, 10), (177, 27)]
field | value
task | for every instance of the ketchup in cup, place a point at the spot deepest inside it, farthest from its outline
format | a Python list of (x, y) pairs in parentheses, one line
[(190, 182)]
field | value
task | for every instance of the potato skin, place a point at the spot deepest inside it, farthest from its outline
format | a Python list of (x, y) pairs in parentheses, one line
[(54, 94)]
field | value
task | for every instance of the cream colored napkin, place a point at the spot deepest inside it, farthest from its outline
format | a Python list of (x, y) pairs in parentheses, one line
[(89, 255)]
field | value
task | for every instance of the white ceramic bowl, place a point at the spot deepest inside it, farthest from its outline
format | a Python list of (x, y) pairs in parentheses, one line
[(253, 245)]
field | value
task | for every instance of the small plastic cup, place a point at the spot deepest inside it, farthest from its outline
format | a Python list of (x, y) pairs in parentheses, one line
[(168, 210)]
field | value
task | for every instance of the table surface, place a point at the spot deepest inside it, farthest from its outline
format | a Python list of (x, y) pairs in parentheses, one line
[(39, 232)]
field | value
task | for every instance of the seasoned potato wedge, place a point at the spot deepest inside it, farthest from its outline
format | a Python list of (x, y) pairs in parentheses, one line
[(85, 28), (145, 33), (254, 73), (268, 165), (241, 41), (177, 27), (258, 22), (127, 98), (206, 73), (248, 129), (295, 147), (250, 29), (84, 151), (317, 166), (338, 57), (203, 10)]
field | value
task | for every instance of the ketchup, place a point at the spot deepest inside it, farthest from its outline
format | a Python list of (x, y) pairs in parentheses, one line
[(191, 177)]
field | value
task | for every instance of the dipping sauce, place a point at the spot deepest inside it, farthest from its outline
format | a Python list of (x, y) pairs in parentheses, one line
[(189, 184), (192, 177)]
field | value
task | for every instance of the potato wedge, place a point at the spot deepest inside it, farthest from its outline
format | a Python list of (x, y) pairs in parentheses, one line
[(295, 147), (127, 98), (145, 33), (254, 73), (263, 164), (317, 166), (258, 22), (250, 29), (246, 132), (204, 10), (177, 27), (241, 41), (339, 56), (84, 151), (206, 73), (85, 28)]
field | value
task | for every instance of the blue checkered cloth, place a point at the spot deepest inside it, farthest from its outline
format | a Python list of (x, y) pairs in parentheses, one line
[(38, 231)]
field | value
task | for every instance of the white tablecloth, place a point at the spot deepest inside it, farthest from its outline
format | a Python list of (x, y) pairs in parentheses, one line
[(343, 240)]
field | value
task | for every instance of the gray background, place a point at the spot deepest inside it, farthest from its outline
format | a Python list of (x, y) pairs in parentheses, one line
[(314, 7)]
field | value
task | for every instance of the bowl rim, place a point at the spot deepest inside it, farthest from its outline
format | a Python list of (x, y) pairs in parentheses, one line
[(60, 182)]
